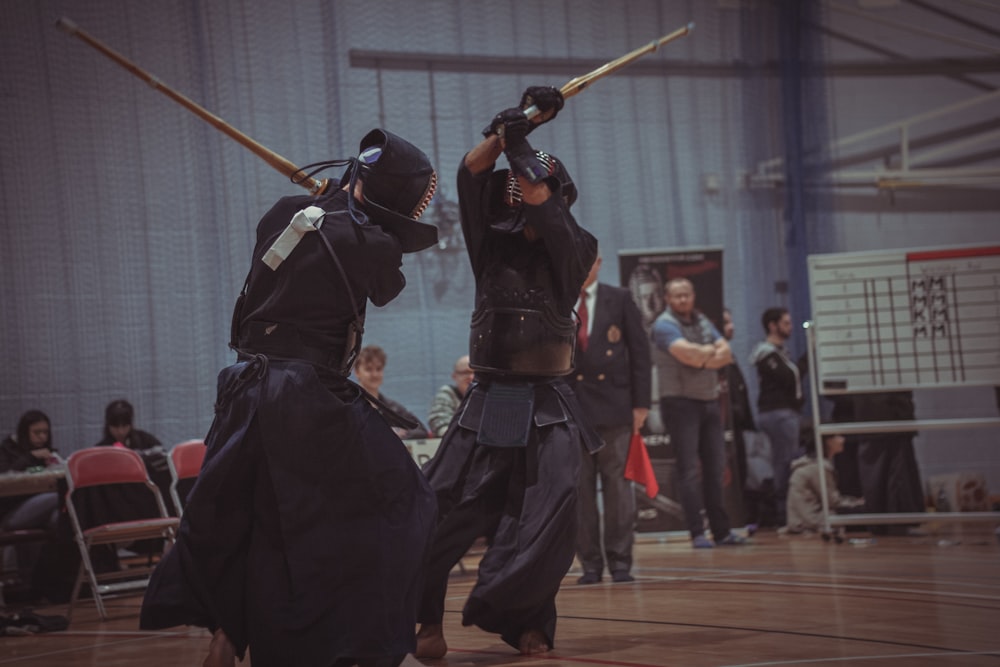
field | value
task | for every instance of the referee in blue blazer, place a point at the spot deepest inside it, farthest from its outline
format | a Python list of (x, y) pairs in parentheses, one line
[(612, 382)]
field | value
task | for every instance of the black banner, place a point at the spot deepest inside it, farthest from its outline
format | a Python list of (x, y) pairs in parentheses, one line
[(645, 273)]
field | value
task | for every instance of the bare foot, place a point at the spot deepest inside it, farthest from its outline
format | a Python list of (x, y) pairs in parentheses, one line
[(221, 652), (430, 641), (532, 641)]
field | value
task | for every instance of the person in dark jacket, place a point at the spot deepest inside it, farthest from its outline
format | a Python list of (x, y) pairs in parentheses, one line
[(370, 370), (612, 381), (884, 468), (29, 447), (507, 466), (758, 489), (779, 398), (119, 430), (305, 533)]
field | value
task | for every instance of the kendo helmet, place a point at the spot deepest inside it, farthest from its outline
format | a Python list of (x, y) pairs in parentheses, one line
[(506, 198), (398, 183)]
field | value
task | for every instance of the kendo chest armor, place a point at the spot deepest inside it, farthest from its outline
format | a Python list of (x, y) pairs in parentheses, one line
[(516, 329)]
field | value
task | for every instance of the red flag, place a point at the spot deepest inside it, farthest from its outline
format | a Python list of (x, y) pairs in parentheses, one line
[(638, 467)]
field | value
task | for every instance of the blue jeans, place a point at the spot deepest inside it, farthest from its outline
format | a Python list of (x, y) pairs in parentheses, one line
[(695, 429), (782, 428), (39, 511)]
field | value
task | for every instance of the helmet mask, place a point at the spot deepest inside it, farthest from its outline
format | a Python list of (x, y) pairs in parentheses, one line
[(398, 184), (506, 200)]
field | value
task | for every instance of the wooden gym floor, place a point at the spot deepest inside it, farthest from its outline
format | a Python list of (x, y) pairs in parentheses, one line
[(899, 601)]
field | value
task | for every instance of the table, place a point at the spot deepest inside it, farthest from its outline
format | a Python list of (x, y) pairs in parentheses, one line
[(422, 450), (28, 483)]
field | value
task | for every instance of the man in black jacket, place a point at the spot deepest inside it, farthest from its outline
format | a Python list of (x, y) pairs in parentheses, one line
[(779, 400), (612, 382)]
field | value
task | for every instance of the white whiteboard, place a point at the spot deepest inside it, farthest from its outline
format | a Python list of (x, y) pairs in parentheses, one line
[(906, 319)]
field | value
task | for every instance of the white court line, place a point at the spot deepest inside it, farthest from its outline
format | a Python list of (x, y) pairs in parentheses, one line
[(840, 578), (828, 575), (837, 586), (899, 656), (929, 593), (707, 574)]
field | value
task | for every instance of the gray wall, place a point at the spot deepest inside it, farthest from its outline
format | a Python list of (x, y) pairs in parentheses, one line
[(128, 222)]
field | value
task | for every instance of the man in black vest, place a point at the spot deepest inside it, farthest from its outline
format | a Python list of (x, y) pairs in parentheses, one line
[(779, 399), (613, 386)]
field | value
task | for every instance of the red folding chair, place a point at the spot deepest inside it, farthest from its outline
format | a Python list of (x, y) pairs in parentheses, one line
[(185, 463), (101, 466)]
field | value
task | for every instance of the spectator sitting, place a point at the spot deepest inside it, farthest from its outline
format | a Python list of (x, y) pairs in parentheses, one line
[(369, 369), (449, 397), (29, 447), (805, 500), (119, 432)]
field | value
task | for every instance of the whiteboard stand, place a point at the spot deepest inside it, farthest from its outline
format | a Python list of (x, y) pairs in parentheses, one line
[(897, 321), (853, 428)]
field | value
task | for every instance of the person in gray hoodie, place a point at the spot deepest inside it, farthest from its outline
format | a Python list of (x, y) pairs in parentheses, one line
[(805, 497)]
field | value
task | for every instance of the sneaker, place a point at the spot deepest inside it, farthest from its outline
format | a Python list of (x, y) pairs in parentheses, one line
[(701, 542), (589, 578), (732, 540), (621, 577)]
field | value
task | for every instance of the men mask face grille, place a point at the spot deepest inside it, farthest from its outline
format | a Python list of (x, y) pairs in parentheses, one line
[(428, 196), (396, 175), (398, 184), (512, 192), (369, 157), (371, 194)]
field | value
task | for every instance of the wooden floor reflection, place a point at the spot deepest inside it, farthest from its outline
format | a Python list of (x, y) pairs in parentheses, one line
[(914, 601)]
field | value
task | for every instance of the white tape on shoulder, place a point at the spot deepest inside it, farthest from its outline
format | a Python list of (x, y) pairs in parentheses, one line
[(302, 222)]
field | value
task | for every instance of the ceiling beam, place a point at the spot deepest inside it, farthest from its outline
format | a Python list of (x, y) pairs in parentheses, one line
[(468, 63)]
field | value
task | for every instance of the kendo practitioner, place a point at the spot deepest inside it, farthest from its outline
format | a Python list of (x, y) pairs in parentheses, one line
[(305, 534), (507, 467)]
